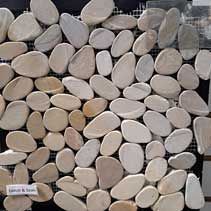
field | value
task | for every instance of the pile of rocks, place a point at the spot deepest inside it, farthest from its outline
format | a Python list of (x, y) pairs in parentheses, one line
[(139, 108)]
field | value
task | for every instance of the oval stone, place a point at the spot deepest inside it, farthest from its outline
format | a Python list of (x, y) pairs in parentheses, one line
[(20, 174), (77, 120), (2, 105), (123, 206), (5, 179), (6, 74)]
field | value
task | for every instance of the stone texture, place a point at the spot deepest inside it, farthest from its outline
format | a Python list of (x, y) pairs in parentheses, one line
[(2, 105), (20, 174), (123, 206), (5, 179), (77, 120), (6, 74), (9, 157)]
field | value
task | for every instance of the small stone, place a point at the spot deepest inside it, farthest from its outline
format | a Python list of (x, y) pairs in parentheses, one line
[(135, 132), (54, 141), (194, 197), (111, 142), (123, 206), (131, 157), (196, 106), (145, 42), (187, 77), (65, 160), (78, 87), (71, 186), (20, 174), (20, 141), (73, 138), (104, 63), (46, 174), (168, 28), (10, 157), (55, 119), (127, 109), (49, 85), (154, 149), (60, 57), (96, 12), (151, 18), (203, 64), (49, 39), (24, 28), (88, 153), (128, 187), (166, 86), (178, 117), (33, 64), (109, 171), (122, 43), (101, 38), (184, 160), (82, 64), (123, 73), (188, 39), (98, 200), (5, 179), (77, 120), (18, 88), (6, 74), (168, 61), (10, 50), (144, 68), (94, 107), (120, 22), (38, 158), (104, 87), (147, 197), (86, 177), (39, 8), (137, 91), (66, 101), (18, 111), (68, 202), (101, 125), (76, 31), (38, 101), (2, 105), (156, 169)]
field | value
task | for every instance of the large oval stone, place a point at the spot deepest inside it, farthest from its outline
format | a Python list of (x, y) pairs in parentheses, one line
[(6, 74), (10, 157)]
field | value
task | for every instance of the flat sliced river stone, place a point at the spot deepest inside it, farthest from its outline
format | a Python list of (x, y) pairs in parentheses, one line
[(77, 120), (5, 179), (123, 206), (20, 174), (6, 74), (10, 157)]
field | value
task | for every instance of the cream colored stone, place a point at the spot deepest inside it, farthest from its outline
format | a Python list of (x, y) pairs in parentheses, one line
[(123, 206), (6, 74), (2, 105), (77, 120), (5, 179), (9, 157), (20, 174)]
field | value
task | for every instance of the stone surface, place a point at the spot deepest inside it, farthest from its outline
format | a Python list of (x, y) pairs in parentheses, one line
[(97, 11), (33, 64), (98, 200), (78, 87), (55, 119), (38, 101), (18, 88), (123, 206), (188, 39), (109, 171), (9, 157), (145, 42), (88, 153), (111, 142), (77, 120), (104, 63), (76, 31), (123, 73), (60, 57), (168, 28), (46, 174), (128, 187), (156, 169), (48, 39), (20, 174), (104, 87), (131, 157), (120, 22), (6, 74), (39, 8), (194, 198), (2, 105), (203, 64), (18, 111), (127, 109), (5, 179), (144, 68), (38, 158), (122, 43), (196, 106), (24, 28), (166, 86), (101, 125), (10, 50), (135, 132), (20, 141)]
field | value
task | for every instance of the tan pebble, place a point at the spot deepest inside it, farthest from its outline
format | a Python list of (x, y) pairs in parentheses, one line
[(20, 174), (6, 74), (2, 105), (77, 120), (5, 179), (123, 206)]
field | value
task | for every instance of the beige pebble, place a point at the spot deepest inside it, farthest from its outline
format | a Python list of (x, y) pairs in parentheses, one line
[(123, 206), (9, 157), (5, 179), (2, 105), (20, 174), (77, 120), (6, 74), (55, 119)]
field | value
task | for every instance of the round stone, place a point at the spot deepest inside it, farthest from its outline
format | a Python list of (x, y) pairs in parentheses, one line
[(123, 206), (77, 120), (6, 74)]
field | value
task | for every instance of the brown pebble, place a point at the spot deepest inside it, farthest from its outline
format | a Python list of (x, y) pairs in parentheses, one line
[(77, 120), (123, 206)]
